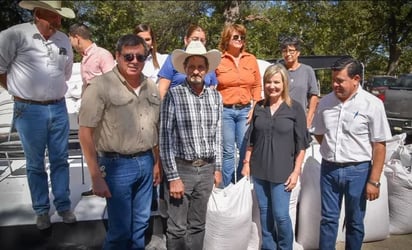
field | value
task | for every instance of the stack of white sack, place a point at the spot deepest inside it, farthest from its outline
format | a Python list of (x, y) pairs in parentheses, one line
[(399, 175)]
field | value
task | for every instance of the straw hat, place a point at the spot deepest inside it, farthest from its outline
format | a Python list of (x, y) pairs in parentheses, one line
[(195, 48), (54, 6)]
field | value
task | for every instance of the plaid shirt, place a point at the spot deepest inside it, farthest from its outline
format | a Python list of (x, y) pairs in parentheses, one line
[(190, 127)]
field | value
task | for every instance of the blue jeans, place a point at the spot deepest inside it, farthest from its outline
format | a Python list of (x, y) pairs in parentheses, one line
[(336, 182), (130, 181), (41, 126), (276, 225), (233, 128), (187, 216)]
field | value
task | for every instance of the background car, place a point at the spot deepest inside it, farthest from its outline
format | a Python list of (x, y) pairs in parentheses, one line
[(377, 85), (398, 102)]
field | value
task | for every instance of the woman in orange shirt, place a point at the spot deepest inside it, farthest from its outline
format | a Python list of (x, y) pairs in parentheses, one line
[(239, 83)]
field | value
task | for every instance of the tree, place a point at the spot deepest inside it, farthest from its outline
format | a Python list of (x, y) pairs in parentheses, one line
[(11, 14), (231, 12)]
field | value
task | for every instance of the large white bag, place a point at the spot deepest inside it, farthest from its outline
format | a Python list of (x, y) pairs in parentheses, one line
[(229, 219), (393, 146), (309, 205), (399, 178), (376, 220)]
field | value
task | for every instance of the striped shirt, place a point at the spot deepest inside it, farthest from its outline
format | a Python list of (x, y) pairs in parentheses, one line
[(190, 127)]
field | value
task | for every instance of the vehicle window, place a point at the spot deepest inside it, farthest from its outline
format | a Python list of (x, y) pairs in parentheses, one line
[(404, 81), (378, 82)]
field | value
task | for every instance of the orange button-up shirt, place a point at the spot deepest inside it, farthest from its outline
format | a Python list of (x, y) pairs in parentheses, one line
[(239, 84)]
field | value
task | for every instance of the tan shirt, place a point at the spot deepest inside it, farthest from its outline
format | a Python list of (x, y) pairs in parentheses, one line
[(124, 122)]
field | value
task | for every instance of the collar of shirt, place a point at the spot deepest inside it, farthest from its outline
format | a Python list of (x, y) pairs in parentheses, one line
[(187, 85), (88, 49), (124, 81)]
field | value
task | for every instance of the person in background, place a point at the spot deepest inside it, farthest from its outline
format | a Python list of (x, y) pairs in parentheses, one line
[(190, 146), (240, 86), (154, 60), (303, 84), (118, 120), (275, 152), (351, 127), (95, 60), (35, 62), (169, 77)]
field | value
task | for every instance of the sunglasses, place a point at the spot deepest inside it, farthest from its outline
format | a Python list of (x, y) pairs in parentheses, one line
[(130, 57), (237, 37)]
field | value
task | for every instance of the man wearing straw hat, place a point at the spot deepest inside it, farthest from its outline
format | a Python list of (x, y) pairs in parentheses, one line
[(190, 146), (35, 63)]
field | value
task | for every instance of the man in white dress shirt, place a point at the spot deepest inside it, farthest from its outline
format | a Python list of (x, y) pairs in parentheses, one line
[(35, 62)]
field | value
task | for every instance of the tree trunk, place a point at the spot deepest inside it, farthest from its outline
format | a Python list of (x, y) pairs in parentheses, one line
[(231, 13)]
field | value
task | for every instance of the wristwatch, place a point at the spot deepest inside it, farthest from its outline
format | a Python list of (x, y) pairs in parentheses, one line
[(376, 184)]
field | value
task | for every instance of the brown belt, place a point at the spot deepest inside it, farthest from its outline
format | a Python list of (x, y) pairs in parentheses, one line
[(49, 102), (236, 106), (197, 162)]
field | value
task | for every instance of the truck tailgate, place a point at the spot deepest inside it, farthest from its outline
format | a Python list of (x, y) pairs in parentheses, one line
[(398, 102)]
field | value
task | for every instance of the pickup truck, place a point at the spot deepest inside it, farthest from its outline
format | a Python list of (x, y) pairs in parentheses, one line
[(398, 105)]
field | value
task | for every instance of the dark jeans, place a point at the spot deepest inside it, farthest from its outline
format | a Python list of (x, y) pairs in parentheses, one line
[(186, 222)]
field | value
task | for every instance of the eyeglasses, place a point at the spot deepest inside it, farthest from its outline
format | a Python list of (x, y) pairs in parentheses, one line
[(50, 52), (130, 57), (196, 38), (289, 51), (237, 38)]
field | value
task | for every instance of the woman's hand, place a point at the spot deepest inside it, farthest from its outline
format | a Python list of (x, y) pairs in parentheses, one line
[(290, 183)]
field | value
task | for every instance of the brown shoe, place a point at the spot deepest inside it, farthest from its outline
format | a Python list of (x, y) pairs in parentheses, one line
[(68, 217), (43, 221)]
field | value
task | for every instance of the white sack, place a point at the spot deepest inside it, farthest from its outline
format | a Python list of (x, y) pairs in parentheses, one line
[(309, 205), (399, 179), (229, 218), (393, 145), (293, 204), (377, 215)]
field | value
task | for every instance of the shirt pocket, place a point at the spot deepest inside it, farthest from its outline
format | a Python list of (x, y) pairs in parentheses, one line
[(355, 123), (223, 70), (121, 108)]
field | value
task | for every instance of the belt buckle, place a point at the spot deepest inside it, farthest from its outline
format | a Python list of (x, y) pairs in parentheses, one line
[(198, 163)]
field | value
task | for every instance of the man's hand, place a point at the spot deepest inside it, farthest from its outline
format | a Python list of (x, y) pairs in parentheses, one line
[(157, 174), (372, 192), (100, 187), (218, 178), (176, 189)]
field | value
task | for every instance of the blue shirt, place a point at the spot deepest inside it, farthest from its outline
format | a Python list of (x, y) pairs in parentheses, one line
[(169, 72)]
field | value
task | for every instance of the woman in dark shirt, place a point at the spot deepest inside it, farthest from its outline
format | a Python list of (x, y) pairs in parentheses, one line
[(276, 148)]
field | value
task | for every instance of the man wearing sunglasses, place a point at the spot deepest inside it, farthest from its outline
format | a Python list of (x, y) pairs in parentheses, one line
[(118, 133)]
